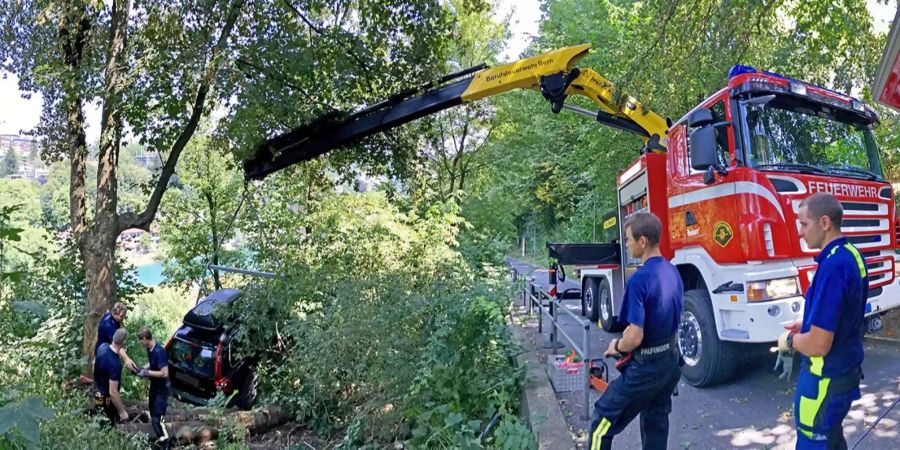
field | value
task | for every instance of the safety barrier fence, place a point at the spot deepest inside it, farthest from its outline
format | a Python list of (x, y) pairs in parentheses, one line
[(536, 297)]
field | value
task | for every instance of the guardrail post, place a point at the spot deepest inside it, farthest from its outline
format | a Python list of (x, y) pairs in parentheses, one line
[(586, 345), (553, 300), (524, 287)]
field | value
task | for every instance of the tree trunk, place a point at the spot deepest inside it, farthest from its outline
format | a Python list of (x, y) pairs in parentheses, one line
[(99, 242), (77, 158), (73, 39), (100, 245)]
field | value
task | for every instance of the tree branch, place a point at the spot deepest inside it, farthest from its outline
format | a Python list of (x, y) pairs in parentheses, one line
[(143, 220), (282, 80), (359, 61)]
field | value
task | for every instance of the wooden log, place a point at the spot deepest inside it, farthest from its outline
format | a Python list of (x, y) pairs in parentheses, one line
[(260, 421), (188, 432), (191, 429)]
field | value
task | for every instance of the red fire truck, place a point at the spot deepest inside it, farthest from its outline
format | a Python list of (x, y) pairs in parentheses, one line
[(726, 180)]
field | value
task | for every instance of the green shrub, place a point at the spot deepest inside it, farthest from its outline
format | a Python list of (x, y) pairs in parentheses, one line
[(382, 331)]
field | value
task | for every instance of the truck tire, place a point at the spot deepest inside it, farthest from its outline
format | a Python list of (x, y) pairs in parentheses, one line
[(603, 310), (707, 360), (590, 307)]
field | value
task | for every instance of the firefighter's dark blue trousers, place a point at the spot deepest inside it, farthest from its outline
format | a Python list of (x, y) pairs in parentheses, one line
[(644, 388), (820, 405)]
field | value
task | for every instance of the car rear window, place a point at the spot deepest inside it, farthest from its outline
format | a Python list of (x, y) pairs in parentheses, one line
[(199, 359)]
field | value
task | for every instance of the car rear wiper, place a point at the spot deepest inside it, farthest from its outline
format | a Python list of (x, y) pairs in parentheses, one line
[(856, 170), (796, 167)]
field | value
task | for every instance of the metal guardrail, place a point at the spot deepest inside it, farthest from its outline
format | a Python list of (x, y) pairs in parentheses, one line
[(533, 295)]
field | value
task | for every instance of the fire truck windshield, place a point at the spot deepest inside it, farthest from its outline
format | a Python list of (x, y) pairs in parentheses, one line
[(787, 133)]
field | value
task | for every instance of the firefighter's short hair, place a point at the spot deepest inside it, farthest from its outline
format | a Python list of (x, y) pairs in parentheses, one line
[(644, 225), (824, 204), (144, 333), (120, 336)]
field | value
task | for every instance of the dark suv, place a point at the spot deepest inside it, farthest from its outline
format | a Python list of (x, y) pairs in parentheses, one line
[(202, 361)]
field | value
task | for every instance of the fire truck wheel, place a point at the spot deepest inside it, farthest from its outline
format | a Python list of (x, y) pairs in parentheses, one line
[(599, 300), (589, 305), (707, 360)]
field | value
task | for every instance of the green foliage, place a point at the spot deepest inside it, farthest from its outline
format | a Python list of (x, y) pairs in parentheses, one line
[(378, 321), (301, 59), (19, 421), (46, 322), (21, 216), (198, 211)]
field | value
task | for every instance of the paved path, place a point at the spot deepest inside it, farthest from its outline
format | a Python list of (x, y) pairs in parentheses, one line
[(752, 411)]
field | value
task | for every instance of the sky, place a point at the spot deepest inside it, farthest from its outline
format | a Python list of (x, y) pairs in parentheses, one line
[(18, 114)]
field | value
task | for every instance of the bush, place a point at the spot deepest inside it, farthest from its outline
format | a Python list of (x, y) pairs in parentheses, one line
[(382, 330)]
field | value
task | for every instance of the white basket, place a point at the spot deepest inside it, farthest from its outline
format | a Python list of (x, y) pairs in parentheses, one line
[(567, 379)]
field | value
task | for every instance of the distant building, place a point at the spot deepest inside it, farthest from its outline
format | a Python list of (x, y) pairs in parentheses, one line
[(27, 152), (22, 145), (148, 159)]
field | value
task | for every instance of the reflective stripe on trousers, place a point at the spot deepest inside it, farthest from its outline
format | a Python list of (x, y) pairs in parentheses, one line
[(820, 405)]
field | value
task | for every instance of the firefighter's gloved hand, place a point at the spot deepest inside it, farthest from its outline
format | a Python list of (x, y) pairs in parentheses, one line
[(787, 361), (783, 346), (783, 360), (142, 373)]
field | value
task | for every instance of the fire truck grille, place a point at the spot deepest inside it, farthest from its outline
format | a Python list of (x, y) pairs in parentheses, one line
[(897, 231), (866, 225)]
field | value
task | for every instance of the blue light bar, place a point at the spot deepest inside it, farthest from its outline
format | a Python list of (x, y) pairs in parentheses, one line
[(741, 69)]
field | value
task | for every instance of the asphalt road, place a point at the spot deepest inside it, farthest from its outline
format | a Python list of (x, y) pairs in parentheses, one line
[(752, 411)]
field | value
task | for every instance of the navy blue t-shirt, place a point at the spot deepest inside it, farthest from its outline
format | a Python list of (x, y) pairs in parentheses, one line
[(836, 302), (654, 299), (106, 330), (157, 359), (107, 367)]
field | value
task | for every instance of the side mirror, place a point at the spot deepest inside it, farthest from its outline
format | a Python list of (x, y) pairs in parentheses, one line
[(700, 117), (703, 148)]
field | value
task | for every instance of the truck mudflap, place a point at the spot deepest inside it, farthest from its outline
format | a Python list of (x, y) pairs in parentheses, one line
[(581, 254)]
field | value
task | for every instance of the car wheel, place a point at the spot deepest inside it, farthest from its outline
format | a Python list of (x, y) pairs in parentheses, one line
[(247, 391)]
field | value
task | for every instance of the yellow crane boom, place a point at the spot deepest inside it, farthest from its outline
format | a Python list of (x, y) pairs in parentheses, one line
[(552, 74)]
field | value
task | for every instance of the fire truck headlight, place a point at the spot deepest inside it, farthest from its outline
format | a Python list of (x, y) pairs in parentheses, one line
[(762, 291)]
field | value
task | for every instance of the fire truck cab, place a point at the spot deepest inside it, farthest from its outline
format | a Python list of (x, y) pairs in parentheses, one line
[(728, 192)]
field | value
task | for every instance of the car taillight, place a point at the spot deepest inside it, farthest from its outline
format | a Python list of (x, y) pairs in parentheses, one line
[(224, 385), (218, 362)]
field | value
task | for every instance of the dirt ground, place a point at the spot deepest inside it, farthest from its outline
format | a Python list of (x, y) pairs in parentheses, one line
[(292, 435)]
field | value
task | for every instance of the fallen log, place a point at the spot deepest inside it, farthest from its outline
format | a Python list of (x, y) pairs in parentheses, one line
[(200, 431), (185, 433)]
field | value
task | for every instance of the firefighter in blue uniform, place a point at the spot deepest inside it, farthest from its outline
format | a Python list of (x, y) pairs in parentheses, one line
[(109, 323), (157, 370), (108, 377), (652, 308), (830, 337)]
